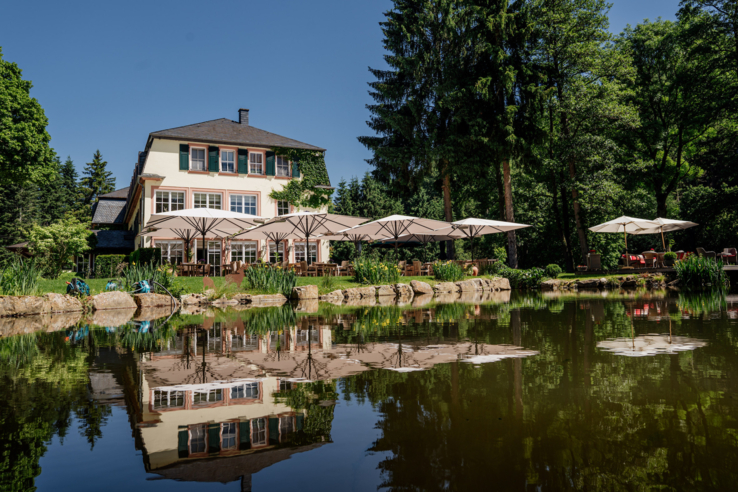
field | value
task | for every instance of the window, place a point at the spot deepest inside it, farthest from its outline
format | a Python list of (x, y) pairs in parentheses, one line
[(168, 399), (197, 157), (243, 251), (300, 252), (283, 207), (228, 161), (244, 204), (248, 390), (171, 251), (256, 161), (283, 166), (197, 439), (214, 253), (169, 201), (258, 432), (286, 426), (208, 200), (228, 436), (206, 397), (273, 252), (285, 385)]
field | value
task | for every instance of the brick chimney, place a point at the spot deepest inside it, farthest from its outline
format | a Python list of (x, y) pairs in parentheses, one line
[(243, 116)]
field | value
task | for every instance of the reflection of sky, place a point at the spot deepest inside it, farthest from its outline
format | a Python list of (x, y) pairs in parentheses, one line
[(650, 345)]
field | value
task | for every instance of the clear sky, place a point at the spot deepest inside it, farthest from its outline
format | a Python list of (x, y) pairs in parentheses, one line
[(109, 73)]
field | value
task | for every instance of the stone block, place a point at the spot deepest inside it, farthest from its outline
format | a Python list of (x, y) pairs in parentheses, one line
[(305, 292), (404, 291), (112, 300), (153, 300), (420, 288), (385, 291), (359, 293), (23, 305), (62, 303), (268, 300), (446, 288)]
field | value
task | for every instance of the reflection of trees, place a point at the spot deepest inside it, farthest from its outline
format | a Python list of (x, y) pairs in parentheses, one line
[(315, 397), (572, 417)]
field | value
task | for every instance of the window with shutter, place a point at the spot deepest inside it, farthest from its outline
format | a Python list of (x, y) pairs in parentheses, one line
[(296, 169), (213, 159), (243, 164), (184, 157), (270, 163)]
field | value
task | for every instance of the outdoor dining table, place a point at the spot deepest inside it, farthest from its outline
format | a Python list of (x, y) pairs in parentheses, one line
[(193, 269)]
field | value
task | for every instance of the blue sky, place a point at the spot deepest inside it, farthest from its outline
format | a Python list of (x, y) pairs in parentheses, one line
[(109, 73)]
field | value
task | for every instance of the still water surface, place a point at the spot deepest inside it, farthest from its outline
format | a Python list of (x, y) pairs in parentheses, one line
[(629, 392)]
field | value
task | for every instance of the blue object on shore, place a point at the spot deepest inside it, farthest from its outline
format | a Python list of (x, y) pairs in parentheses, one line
[(142, 287), (77, 286), (111, 285)]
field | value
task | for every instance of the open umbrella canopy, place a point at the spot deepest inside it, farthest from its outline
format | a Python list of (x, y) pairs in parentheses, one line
[(447, 234), (473, 227), (666, 225), (624, 224), (204, 220), (184, 234), (303, 225)]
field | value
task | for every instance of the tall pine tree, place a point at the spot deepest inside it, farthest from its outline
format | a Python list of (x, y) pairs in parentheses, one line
[(97, 181)]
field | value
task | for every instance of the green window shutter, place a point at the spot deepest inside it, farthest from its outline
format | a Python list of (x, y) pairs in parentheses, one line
[(184, 157), (213, 159), (244, 435), (213, 438), (273, 430), (183, 449), (270, 164), (295, 169), (243, 161)]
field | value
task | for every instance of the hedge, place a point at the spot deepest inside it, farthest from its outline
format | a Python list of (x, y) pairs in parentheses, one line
[(105, 265), (146, 255)]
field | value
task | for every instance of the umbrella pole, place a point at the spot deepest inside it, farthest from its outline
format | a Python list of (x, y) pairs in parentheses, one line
[(627, 258), (307, 248), (663, 243)]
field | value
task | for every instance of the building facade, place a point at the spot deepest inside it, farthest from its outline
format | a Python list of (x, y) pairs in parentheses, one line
[(221, 164)]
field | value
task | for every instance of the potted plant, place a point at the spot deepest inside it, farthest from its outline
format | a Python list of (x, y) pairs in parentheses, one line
[(669, 258)]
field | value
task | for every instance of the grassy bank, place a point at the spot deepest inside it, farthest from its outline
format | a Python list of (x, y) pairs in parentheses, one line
[(194, 285)]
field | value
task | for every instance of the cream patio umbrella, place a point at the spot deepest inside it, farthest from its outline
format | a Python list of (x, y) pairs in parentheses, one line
[(186, 235), (204, 220), (396, 226), (447, 234), (473, 228), (348, 235), (666, 225), (303, 225), (624, 225)]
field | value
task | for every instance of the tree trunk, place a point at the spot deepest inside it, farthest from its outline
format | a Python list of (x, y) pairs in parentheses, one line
[(512, 246), (448, 211), (583, 248), (565, 247)]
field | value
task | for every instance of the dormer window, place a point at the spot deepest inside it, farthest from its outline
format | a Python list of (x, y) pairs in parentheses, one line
[(283, 166), (197, 158), (256, 163)]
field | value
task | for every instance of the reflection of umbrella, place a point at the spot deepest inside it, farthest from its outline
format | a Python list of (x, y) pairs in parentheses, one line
[(302, 225), (625, 225), (650, 345), (666, 225), (396, 226), (473, 228)]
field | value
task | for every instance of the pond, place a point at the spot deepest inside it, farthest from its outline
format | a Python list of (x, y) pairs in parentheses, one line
[(614, 391)]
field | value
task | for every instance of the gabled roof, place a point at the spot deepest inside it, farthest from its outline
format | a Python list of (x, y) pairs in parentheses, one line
[(121, 194), (228, 131), (109, 211), (118, 240)]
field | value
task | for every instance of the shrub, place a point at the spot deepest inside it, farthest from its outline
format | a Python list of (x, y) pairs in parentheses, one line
[(146, 256), (523, 279), (491, 268), (369, 271), (553, 270), (501, 254), (107, 265), (697, 272), (670, 256), (269, 279), (448, 271), (20, 277)]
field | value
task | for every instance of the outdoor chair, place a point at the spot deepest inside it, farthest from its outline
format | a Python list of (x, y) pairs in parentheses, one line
[(706, 254), (594, 261), (651, 258), (729, 256), (345, 267), (402, 265), (206, 270), (426, 270), (330, 270), (308, 271), (417, 266)]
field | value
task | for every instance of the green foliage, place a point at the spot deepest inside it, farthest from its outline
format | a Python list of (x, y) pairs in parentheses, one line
[(97, 181), (224, 290), (301, 192), (523, 279), (146, 256), (25, 155), (670, 255), (698, 272), (447, 271), (58, 243), (133, 273), (20, 277), (106, 266), (553, 270), (501, 255), (373, 272), (327, 283), (268, 279)]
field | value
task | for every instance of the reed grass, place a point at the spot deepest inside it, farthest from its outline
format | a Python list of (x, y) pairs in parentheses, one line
[(269, 279), (20, 277)]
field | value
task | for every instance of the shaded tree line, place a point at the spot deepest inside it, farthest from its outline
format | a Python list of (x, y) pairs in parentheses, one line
[(533, 111)]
